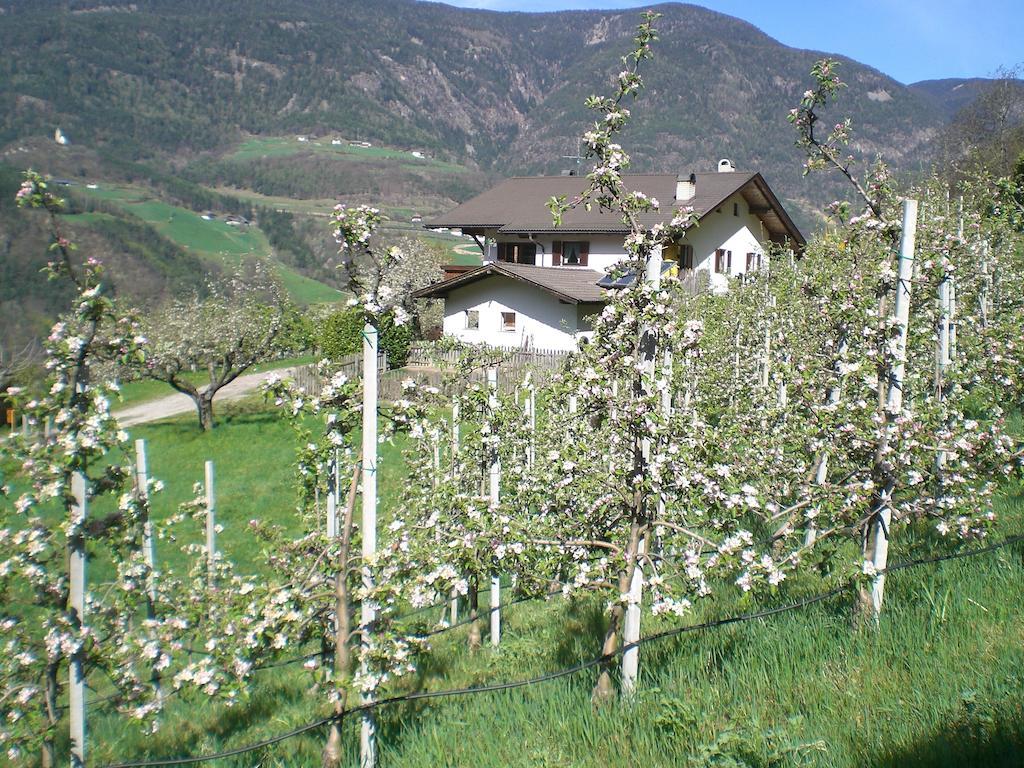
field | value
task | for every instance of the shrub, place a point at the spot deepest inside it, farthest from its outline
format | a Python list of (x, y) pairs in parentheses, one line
[(342, 334)]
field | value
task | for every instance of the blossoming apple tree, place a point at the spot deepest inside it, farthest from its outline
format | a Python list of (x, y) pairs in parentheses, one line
[(53, 628)]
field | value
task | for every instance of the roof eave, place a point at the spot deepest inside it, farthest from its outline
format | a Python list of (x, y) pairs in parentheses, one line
[(486, 270), (780, 211)]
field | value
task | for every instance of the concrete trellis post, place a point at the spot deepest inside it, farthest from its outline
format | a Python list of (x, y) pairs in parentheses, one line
[(985, 294), (531, 424), (454, 606), (942, 347), (148, 545), (879, 535), (76, 578), (495, 497), (634, 604), (211, 526), (368, 728), (332, 498), (766, 363)]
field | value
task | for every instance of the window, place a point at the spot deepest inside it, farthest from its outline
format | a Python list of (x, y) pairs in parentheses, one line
[(508, 321), (517, 253), (753, 262), (686, 256), (723, 260), (570, 253), (472, 319), (735, 209)]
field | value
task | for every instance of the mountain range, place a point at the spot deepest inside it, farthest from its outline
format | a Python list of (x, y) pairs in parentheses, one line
[(173, 87)]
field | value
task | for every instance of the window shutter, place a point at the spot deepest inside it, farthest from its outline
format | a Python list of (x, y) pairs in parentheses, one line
[(584, 253), (556, 253), (719, 259), (728, 263)]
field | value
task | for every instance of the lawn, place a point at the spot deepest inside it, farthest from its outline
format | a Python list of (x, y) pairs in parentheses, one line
[(282, 146), (212, 239)]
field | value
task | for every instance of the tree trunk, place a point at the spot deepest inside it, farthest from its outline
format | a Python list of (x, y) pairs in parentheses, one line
[(604, 691), (343, 628), (204, 405), (474, 615), (48, 758)]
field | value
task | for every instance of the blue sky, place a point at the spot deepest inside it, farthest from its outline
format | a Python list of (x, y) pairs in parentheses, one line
[(908, 40)]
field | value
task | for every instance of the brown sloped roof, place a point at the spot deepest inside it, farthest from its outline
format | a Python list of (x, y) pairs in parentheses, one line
[(573, 285), (519, 205)]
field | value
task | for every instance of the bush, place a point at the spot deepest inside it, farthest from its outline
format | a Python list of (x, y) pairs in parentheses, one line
[(342, 334)]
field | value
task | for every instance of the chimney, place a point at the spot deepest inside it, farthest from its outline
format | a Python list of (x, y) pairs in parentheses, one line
[(686, 188), (725, 165)]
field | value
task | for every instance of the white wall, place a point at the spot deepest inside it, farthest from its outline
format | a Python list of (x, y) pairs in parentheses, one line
[(541, 320), (740, 234)]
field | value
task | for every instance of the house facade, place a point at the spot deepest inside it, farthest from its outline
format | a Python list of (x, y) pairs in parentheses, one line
[(538, 285)]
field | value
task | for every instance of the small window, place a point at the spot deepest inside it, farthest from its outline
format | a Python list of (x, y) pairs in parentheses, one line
[(753, 262), (686, 256), (570, 253), (517, 253), (735, 209), (723, 260), (508, 321), (472, 319)]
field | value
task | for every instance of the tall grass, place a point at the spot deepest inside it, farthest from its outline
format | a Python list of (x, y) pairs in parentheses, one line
[(940, 682)]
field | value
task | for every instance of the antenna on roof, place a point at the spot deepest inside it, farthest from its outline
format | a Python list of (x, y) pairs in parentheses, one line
[(577, 157)]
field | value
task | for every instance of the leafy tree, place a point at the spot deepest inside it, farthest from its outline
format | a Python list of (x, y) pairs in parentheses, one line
[(238, 325), (988, 133), (342, 334)]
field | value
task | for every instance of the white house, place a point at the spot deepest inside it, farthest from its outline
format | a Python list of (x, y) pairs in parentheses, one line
[(539, 284)]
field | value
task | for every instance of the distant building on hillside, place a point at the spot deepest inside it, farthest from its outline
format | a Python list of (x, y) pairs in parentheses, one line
[(60, 138)]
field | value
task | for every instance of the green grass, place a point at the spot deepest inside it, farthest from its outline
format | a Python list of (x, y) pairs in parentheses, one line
[(283, 146), (305, 290), (939, 683), (214, 240), (253, 450)]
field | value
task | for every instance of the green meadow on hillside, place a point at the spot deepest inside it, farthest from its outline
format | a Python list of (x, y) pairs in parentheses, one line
[(282, 146), (211, 239)]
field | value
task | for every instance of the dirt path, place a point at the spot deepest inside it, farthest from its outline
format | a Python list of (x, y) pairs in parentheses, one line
[(177, 404)]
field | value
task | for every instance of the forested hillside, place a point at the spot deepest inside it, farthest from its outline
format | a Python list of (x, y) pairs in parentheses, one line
[(258, 109), (501, 91)]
